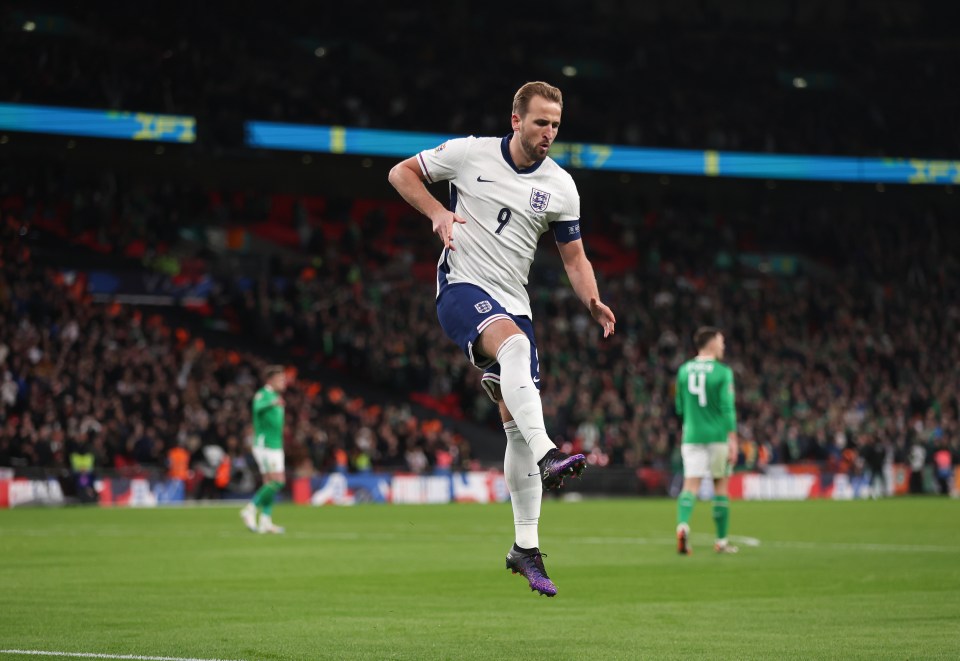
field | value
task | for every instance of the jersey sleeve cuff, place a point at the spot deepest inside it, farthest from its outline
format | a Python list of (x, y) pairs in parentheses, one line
[(423, 167)]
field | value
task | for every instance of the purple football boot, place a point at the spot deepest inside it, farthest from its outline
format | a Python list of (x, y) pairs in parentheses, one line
[(556, 465), (530, 565)]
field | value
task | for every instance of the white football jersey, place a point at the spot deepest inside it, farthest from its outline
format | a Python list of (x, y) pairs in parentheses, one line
[(506, 209)]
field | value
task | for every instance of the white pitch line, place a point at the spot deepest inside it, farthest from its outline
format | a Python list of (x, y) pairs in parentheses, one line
[(867, 546), (746, 541), (754, 542), (703, 538), (94, 655)]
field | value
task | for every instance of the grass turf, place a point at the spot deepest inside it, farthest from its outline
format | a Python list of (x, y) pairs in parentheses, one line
[(843, 580)]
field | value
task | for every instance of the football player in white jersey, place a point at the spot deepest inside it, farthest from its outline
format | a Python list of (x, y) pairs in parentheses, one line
[(504, 194)]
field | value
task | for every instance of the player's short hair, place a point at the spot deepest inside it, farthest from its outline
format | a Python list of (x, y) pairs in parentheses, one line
[(703, 336), (521, 100), (272, 371)]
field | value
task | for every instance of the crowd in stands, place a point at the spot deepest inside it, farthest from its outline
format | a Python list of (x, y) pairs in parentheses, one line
[(847, 354), (826, 76), (80, 378), (855, 351)]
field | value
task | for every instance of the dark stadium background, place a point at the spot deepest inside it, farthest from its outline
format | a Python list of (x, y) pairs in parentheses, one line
[(839, 299)]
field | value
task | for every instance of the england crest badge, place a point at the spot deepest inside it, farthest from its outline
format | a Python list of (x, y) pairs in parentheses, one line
[(539, 200)]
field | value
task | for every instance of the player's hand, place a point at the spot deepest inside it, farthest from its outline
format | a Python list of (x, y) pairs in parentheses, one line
[(733, 451), (603, 316), (443, 227)]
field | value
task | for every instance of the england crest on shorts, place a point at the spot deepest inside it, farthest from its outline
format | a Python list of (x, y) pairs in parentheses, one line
[(539, 200), (483, 307)]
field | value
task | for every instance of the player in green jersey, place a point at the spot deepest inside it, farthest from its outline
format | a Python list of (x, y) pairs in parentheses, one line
[(705, 402), (267, 410)]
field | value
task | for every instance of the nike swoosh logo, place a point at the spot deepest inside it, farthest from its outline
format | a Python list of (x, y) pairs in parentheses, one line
[(485, 181), (536, 380), (533, 474)]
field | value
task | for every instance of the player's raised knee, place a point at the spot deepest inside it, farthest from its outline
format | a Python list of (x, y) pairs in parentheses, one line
[(514, 347)]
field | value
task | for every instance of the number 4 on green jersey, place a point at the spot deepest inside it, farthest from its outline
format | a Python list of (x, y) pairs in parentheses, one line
[(705, 401)]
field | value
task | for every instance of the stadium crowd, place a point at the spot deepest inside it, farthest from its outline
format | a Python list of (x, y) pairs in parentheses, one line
[(78, 377), (844, 356), (854, 352), (783, 69)]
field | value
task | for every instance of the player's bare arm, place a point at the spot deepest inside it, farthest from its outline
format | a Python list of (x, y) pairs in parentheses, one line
[(408, 179), (733, 448), (584, 284)]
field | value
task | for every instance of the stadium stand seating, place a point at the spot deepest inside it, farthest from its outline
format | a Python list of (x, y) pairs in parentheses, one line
[(124, 383), (848, 337)]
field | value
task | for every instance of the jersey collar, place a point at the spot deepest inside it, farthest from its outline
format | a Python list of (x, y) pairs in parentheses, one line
[(505, 150)]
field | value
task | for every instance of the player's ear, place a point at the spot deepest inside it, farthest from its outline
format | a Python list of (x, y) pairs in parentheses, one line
[(515, 121)]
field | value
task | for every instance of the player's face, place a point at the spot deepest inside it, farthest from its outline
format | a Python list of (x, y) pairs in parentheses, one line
[(279, 382), (719, 346), (538, 127)]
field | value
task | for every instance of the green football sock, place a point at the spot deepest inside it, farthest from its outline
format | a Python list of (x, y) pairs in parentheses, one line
[(685, 507), (265, 495), (275, 488), (721, 515), (257, 499)]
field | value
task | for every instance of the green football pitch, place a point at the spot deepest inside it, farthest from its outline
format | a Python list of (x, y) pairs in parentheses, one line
[(841, 580)]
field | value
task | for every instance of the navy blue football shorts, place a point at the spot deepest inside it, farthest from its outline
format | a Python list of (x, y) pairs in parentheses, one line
[(465, 310)]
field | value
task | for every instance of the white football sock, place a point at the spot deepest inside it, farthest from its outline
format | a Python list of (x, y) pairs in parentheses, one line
[(523, 480), (521, 395)]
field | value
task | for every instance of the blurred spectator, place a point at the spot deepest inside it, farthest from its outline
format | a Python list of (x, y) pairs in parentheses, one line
[(82, 471), (213, 465), (918, 459), (943, 462), (178, 463), (875, 457)]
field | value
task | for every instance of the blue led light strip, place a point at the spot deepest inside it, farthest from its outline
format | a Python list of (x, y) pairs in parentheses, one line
[(620, 158), (80, 122)]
